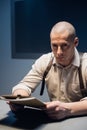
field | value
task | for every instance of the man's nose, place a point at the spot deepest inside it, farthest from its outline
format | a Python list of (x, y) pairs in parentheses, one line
[(59, 50)]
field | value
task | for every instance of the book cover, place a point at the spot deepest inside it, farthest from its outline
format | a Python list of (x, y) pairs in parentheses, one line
[(22, 100)]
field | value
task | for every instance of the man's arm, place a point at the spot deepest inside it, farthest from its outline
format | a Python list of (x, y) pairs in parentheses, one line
[(59, 110), (77, 108)]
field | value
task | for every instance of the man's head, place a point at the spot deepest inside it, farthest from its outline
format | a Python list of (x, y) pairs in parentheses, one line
[(63, 42)]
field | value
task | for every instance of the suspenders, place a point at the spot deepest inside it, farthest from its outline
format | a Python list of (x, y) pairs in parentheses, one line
[(44, 76), (82, 88)]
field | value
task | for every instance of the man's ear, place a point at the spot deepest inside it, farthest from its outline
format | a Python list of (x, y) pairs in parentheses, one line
[(76, 41)]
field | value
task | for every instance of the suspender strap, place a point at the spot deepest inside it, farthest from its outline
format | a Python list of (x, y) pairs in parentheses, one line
[(44, 76), (82, 87), (81, 83)]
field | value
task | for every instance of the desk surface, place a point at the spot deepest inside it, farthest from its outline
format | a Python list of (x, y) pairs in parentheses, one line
[(9, 122)]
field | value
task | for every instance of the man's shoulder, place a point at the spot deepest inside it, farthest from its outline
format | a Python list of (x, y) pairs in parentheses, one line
[(43, 60), (46, 56), (83, 55)]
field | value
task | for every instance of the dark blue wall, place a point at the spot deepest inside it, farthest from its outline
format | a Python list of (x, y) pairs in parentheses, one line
[(34, 19)]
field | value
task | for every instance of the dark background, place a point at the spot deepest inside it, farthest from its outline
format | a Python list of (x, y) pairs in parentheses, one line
[(32, 21)]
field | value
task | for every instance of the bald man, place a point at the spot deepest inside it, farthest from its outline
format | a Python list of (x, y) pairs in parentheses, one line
[(62, 81)]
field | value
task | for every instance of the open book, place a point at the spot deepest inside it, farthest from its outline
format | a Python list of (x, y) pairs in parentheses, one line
[(25, 101)]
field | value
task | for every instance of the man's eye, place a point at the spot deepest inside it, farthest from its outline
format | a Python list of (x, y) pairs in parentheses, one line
[(65, 45), (54, 46)]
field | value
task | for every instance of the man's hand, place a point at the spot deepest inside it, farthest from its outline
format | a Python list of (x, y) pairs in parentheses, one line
[(21, 92), (16, 107), (57, 110)]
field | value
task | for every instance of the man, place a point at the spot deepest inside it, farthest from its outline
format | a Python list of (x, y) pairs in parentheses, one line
[(62, 80)]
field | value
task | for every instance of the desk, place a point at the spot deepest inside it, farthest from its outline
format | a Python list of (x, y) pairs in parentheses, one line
[(9, 122)]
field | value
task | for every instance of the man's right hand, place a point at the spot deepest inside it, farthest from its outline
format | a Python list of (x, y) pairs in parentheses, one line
[(16, 107), (21, 92)]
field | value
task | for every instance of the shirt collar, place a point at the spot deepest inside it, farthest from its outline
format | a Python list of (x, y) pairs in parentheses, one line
[(75, 62)]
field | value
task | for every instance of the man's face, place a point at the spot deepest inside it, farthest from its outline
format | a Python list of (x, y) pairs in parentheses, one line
[(63, 48)]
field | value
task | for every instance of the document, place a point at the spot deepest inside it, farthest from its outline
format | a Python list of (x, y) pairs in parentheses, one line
[(25, 101)]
